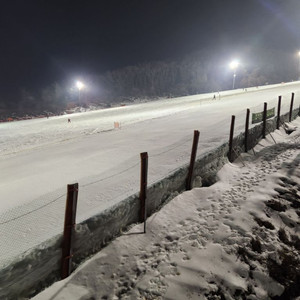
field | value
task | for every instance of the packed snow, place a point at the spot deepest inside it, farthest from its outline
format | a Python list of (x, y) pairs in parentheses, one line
[(219, 242)]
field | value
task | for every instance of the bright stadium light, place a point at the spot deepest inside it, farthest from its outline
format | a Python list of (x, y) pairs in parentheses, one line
[(79, 85), (234, 65)]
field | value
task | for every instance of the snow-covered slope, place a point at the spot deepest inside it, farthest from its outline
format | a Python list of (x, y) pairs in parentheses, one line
[(40, 157), (237, 239)]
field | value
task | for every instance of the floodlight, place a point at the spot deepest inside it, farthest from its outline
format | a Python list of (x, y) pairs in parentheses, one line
[(79, 85), (234, 64)]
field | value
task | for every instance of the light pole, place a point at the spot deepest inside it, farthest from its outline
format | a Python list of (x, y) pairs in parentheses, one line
[(233, 65), (299, 64), (80, 86)]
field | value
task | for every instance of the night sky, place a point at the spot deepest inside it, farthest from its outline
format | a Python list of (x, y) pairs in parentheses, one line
[(57, 40)]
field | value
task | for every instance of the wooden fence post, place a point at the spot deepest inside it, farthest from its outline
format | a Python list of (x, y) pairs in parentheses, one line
[(192, 161), (291, 107), (247, 129), (230, 156), (143, 187), (264, 121), (70, 219), (278, 112)]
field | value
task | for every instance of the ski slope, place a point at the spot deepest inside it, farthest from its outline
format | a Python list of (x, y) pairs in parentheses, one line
[(38, 158)]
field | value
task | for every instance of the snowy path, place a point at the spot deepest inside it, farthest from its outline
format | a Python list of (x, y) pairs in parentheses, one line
[(50, 153), (198, 245), (47, 154)]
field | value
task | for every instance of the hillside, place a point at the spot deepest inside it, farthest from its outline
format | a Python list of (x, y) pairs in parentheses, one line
[(237, 239), (40, 157)]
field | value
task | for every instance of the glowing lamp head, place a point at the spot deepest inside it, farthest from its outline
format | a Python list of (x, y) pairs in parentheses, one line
[(79, 85), (234, 64)]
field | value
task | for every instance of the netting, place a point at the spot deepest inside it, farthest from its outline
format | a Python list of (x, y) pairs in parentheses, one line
[(29, 225)]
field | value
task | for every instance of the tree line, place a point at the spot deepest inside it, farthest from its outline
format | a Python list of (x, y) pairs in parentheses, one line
[(200, 72)]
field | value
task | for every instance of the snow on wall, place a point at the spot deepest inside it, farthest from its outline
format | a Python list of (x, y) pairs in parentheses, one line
[(38, 268), (32, 272), (95, 232)]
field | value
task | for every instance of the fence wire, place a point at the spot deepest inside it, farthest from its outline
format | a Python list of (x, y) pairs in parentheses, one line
[(27, 226)]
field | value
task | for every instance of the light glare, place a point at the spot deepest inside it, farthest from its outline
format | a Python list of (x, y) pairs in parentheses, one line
[(79, 85), (234, 64)]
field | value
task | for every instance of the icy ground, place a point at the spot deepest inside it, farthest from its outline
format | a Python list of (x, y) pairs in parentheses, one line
[(237, 239)]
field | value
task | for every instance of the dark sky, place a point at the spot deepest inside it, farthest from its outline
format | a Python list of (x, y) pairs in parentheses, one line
[(43, 41)]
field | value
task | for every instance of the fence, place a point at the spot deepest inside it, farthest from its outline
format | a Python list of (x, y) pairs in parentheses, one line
[(267, 126), (42, 263)]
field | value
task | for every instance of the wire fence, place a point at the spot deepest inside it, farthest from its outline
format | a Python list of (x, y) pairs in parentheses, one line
[(27, 226)]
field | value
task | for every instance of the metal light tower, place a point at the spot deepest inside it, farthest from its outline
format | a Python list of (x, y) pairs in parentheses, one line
[(80, 86), (233, 65), (299, 64)]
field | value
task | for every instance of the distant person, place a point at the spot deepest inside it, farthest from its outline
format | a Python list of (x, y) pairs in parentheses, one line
[(214, 97), (69, 120)]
